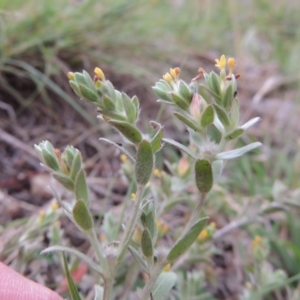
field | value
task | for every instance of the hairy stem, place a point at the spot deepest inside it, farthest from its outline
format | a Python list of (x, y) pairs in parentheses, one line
[(153, 277), (132, 223), (195, 216)]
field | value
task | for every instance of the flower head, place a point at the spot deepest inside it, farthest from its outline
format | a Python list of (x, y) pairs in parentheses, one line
[(221, 63), (157, 172), (231, 63), (133, 196), (71, 76), (99, 73), (123, 158), (168, 78)]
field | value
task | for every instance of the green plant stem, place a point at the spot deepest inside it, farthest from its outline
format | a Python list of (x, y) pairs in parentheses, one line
[(99, 252), (153, 277), (108, 287), (130, 227), (195, 216), (108, 270)]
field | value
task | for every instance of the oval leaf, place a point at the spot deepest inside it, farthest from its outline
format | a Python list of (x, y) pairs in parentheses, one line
[(81, 188), (187, 121), (208, 116), (64, 180), (72, 287), (203, 175), (187, 240), (82, 216), (144, 163), (146, 243), (163, 285), (222, 115), (129, 131), (235, 134)]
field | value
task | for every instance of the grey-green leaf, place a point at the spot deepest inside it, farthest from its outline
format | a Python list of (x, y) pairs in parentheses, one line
[(88, 94), (76, 165), (64, 180), (163, 285), (187, 240), (187, 121), (228, 97), (146, 243), (222, 115), (72, 287), (81, 188), (144, 163), (179, 101), (82, 216), (208, 116), (129, 131), (238, 152), (235, 134), (156, 143), (181, 147), (184, 91), (203, 175)]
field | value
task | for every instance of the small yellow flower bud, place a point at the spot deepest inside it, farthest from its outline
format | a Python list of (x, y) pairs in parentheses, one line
[(159, 223), (71, 75), (165, 228), (231, 63), (137, 236), (42, 214), (123, 158), (62, 164), (99, 73), (54, 206), (183, 166), (248, 285), (177, 70), (203, 235), (212, 225), (221, 63), (167, 267), (102, 237), (168, 78), (201, 70), (133, 196), (157, 172), (256, 241), (173, 73)]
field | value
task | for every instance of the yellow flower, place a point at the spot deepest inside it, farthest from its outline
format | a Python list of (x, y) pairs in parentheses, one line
[(133, 196), (212, 225), (54, 206), (231, 63), (162, 228), (137, 236), (42, 214), (168, 78), (183, 166), (173, 73), (157, 172), (102, 238), (71, 76), (123, 158), (99, 73), (167, 267), (203, 235), (221, 63), (256, 241)]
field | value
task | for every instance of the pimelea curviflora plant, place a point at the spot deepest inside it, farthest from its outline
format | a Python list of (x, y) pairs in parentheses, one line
[(208, 106)]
